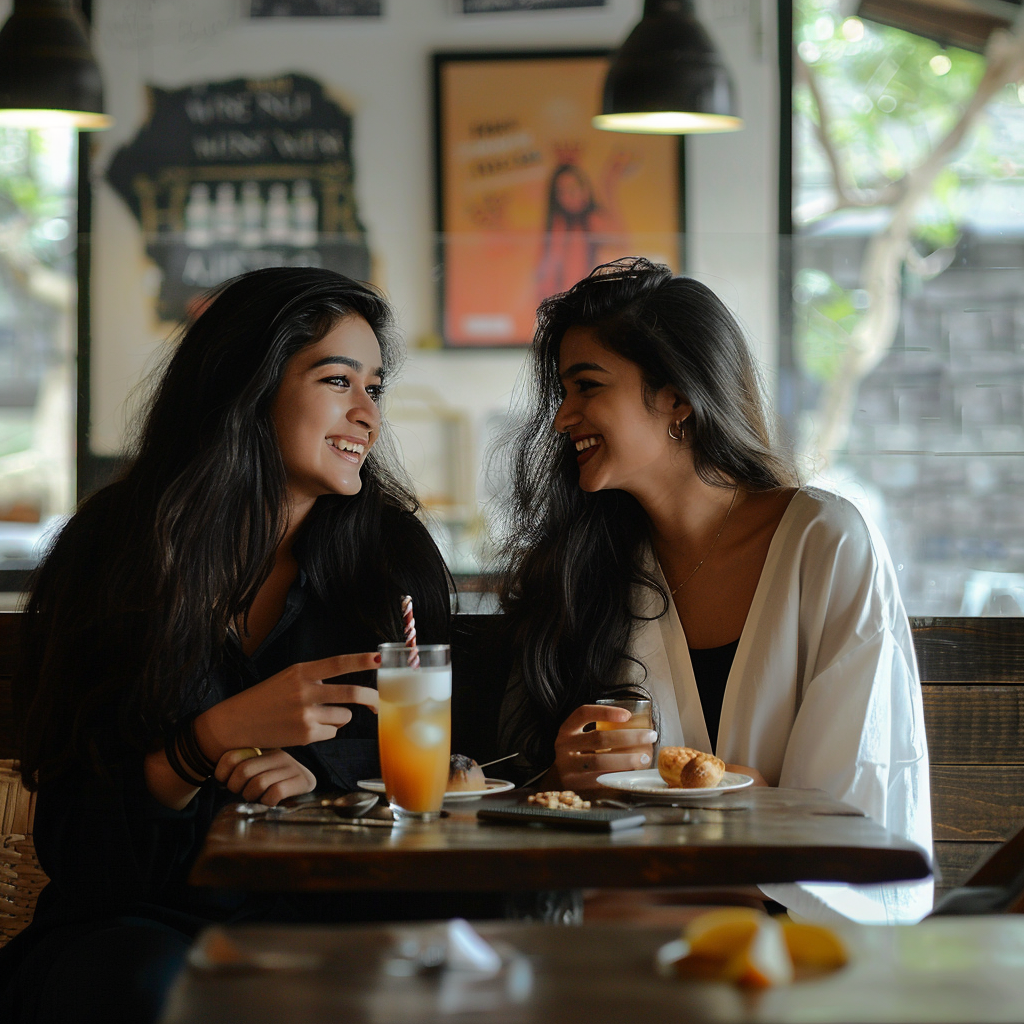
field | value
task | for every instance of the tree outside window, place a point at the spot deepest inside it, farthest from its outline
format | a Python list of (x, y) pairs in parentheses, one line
[(908, 297)]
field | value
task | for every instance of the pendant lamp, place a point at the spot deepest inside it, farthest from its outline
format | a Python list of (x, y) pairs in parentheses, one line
[(48, 75), (667, 78)]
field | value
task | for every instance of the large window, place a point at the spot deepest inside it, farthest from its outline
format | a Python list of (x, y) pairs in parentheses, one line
[(37, 340), (907, 263)]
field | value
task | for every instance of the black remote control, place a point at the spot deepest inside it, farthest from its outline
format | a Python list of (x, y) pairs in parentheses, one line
[(586, 821)]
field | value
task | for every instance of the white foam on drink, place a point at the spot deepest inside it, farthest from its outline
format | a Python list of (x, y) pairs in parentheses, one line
[(414, 686)]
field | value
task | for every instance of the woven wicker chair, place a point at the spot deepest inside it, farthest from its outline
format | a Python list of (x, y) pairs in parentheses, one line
[(21, 877)]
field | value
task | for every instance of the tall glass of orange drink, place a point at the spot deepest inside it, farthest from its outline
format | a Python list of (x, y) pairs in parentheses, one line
[(415, 727)]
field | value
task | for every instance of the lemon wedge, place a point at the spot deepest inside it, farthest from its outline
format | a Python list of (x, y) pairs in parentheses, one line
[(763, 960), (746, 947), (813, 948), (719, 933), (737, 945)]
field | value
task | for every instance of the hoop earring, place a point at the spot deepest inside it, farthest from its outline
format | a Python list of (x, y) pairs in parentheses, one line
[(679, 426)]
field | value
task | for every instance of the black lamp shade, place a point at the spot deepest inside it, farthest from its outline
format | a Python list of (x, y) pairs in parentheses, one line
[(48, 75), (668, 78)]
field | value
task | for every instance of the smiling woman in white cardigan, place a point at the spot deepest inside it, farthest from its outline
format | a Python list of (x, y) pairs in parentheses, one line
[(659, 542)]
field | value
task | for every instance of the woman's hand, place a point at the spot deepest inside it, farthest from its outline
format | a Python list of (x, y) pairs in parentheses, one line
[(577, 763), (745, 769), (290, 709), (267, 778)]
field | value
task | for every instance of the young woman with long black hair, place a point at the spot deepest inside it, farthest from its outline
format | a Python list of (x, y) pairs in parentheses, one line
[(204, 627), (657, 539)]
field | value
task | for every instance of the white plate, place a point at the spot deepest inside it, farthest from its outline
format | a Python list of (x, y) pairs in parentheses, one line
[(650, 783), (493, 786)]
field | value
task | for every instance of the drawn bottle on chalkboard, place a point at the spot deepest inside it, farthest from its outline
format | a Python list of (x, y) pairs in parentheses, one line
[(197, 217), (305, 213), (278, 221), (225, 213), (251, 235)]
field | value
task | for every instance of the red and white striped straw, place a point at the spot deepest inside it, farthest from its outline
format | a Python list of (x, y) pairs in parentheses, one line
[(409, 628)]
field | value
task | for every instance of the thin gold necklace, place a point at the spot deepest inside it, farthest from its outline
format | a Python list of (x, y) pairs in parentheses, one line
[(672, 593)]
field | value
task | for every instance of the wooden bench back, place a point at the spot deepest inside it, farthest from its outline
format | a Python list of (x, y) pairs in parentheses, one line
[(972, 675), (972, 671)]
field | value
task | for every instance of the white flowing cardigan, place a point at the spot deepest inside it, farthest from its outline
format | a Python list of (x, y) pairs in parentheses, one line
[(823, 692)]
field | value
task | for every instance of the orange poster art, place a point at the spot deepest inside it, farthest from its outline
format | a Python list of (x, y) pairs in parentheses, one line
[(532, 197)]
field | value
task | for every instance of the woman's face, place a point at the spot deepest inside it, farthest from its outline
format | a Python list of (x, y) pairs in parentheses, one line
[(620, 442), (573, 194), (326, 412)]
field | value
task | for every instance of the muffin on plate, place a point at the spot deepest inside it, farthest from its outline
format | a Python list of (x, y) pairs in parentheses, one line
[(686, 768)]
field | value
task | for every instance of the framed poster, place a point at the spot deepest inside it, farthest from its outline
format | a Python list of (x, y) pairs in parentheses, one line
[(492, 6), (531, 197)]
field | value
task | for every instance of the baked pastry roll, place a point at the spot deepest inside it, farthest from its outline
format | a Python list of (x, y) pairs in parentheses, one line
[(464, 774), (686, 768)]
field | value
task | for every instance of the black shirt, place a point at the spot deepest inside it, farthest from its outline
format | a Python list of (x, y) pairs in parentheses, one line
[(110, 848), (711, 667)]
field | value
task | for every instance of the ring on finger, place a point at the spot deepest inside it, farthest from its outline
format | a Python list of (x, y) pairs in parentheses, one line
[(245, 753)]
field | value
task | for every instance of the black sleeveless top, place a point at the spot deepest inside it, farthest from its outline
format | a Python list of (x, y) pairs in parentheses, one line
[(711, 670)]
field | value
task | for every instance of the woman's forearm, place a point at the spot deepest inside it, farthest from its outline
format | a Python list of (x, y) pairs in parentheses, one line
[(164, 784)]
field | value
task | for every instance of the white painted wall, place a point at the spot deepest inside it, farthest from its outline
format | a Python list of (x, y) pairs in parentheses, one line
[(732, 179), (381, 70)]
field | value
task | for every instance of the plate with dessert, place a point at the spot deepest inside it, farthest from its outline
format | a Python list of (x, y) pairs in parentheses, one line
[(681, 771), (466, 781)]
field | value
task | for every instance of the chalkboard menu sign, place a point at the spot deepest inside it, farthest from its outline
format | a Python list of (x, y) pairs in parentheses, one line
[(231, 176)]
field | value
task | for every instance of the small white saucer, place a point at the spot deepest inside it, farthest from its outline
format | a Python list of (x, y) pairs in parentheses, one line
[(492, 786), (650, 783)]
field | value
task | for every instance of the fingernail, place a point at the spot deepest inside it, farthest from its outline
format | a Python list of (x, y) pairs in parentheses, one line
[(645, 758), (652, 737), (376, 659)]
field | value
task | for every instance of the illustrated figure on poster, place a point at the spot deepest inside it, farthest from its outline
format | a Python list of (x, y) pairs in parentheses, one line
[(582, 221)]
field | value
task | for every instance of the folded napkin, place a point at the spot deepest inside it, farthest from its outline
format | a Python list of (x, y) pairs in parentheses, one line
[(452, 946), (467, 951)]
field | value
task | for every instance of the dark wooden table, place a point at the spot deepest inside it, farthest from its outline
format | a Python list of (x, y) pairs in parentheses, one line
[(756, 835), (944, 969)]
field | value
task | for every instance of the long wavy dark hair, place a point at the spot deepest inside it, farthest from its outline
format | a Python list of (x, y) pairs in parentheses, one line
[(129, 612), (571, 560)]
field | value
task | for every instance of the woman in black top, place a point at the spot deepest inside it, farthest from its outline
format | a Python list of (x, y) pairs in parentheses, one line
[(188, 623)]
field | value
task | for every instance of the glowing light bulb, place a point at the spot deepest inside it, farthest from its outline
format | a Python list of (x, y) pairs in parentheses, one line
[(853, 30), (808, 51)]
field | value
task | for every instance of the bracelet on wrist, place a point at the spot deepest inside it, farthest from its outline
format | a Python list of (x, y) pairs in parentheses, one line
[(171, 750), (192, 753), (185, 756)]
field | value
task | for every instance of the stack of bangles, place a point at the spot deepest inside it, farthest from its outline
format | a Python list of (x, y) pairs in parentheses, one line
[(186, 757)]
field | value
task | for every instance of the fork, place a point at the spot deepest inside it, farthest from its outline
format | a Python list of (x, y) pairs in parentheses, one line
[(606, 802)]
